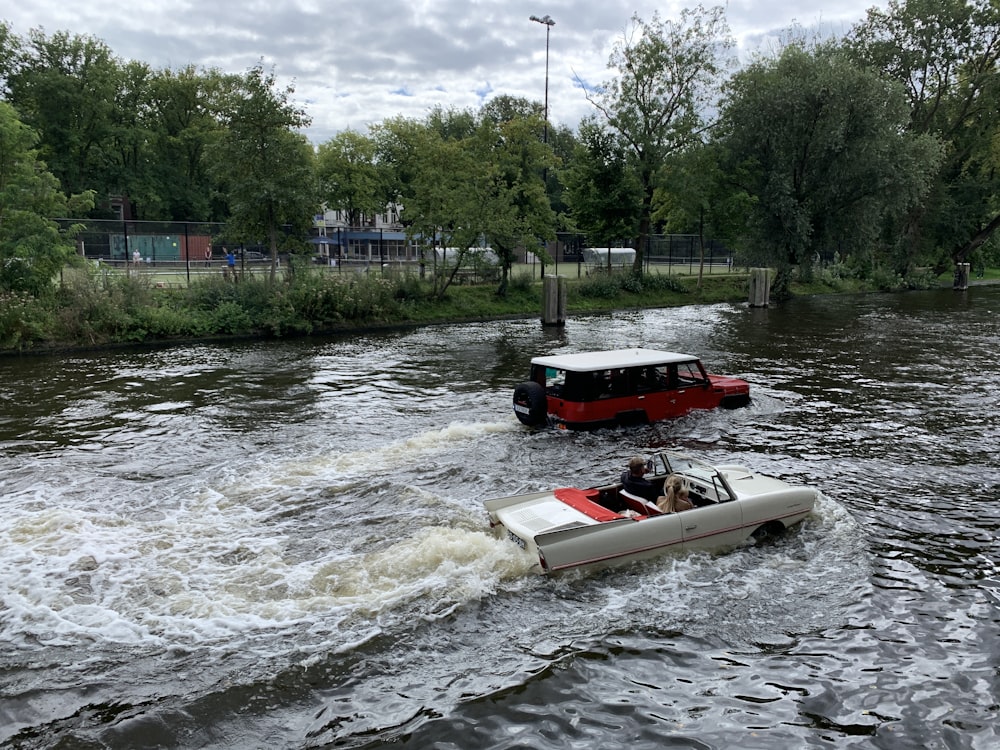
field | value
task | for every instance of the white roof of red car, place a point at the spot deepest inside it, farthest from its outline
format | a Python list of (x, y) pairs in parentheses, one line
[(612, 359)]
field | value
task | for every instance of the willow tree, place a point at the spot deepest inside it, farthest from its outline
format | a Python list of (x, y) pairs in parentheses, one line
[(946, 56), (266, 168), (820, 146), (668, 76)]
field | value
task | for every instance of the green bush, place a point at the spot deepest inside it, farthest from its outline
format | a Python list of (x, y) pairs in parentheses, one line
[(23, 320), (520, 284), (166, 322), (231, 318), (604, 285), (409, 287), (653, 282), (887, 280), (601, 285)]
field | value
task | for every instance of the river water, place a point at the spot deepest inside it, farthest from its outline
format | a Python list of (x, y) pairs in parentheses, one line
[(282, 545)]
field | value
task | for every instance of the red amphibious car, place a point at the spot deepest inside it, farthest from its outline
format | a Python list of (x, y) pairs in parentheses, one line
[(623, 386)]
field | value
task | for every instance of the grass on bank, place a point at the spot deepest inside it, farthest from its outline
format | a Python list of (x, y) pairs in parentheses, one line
[(96, 308)]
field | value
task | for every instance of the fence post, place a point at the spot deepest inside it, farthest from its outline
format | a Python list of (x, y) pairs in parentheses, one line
[(760, 287), (554, 301)]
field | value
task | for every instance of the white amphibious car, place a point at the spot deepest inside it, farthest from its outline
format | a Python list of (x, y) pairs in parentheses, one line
[(570, 528)]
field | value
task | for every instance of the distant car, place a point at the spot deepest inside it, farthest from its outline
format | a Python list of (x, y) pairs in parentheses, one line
[(602, 526), (619, 387), (252, 255)]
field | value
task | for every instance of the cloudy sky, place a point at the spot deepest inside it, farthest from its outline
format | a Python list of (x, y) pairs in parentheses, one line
[(355, 62)]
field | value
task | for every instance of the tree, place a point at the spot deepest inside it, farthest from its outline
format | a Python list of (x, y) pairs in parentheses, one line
[(32, 248), (697, 196), (182, 125), (349, 176), (667, 75), (945, 54), (66, 88), (10, 51), (127, 151), (820, 145), (266, 168), (461, 179), (441, 204), (510, 192), (603, 191), (504, 108)]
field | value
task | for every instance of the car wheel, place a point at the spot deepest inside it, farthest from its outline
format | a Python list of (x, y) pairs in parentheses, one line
[(769, 532), (530, 404)]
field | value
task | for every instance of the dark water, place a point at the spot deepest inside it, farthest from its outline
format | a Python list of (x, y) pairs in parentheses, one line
[(283, 545)]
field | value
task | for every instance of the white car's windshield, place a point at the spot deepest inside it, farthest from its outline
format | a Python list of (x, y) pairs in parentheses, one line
[(703, 478)]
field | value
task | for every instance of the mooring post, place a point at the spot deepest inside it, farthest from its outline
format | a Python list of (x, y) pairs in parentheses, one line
[(760, 287), (961, 277), (554, 300)]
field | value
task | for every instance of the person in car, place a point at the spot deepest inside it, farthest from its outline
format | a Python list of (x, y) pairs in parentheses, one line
[(634, 480), (675, 497)]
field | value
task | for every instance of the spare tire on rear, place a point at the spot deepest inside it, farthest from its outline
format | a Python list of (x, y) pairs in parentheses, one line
[(530, 403)]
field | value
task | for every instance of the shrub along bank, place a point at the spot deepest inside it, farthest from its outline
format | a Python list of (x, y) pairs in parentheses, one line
[(98, 309)]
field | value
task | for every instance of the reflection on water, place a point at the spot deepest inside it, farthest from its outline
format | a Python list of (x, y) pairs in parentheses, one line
[(206, 545)]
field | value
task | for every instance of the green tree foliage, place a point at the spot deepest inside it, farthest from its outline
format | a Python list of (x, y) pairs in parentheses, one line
[(66, 88), (563, 142), (504, 108), (183, 125), (667, 77), (32, 248), (945, 54), (10, 51), (602, 190), (462, 179), (117, 127), (127, 149), (697, 197), (560, 139), (399, 146), (349, 176), (266, 168), (511, 192), (820, 145)]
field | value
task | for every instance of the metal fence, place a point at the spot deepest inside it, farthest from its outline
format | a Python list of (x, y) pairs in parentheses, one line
[(197, 245), (667, 253)]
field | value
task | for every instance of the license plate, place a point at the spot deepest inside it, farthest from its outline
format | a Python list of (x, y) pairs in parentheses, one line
[(521, 409), (516, 539)]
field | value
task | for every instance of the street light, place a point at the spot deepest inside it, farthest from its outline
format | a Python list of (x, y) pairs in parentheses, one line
[(546, 21)]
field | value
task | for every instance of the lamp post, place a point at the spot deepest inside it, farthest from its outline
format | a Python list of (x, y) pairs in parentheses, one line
[(546, 21)]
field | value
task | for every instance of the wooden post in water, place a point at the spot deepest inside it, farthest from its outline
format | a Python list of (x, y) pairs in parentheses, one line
[(961, 277), (760, 287), (554, 300)]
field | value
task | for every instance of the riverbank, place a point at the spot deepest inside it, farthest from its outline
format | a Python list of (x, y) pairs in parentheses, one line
[(127, 311)]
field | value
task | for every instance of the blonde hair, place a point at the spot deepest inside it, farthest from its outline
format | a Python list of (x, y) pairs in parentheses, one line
[(675, 488)]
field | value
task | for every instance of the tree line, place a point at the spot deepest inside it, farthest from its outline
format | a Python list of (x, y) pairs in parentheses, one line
[(876, 151)]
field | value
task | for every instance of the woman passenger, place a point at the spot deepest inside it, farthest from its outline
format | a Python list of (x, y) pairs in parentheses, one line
[(675, 497)]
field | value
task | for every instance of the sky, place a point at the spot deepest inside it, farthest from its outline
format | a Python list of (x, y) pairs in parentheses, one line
[(358, 62)]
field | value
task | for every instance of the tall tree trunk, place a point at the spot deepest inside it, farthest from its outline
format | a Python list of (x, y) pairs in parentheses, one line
[(644, 225), (701, 245), (272, 232)]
